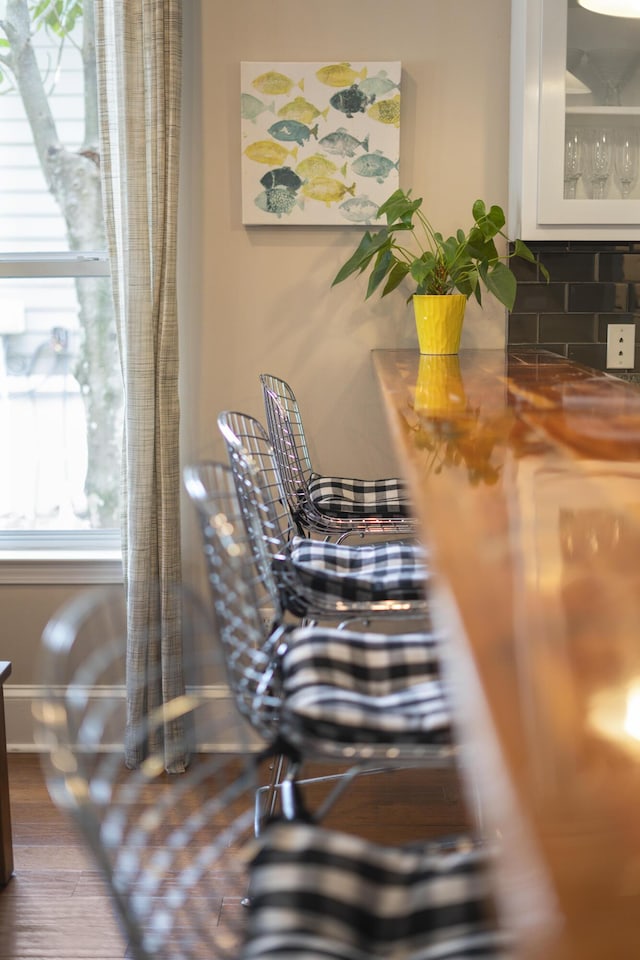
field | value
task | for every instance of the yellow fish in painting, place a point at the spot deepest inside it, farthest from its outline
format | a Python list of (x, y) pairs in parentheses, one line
[(273, 82), (266, 151), (340, 75), (327, 190), (300, 109), (317, 165), (386, 111)]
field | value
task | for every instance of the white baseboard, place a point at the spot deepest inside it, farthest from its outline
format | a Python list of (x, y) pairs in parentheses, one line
[(20, 701)]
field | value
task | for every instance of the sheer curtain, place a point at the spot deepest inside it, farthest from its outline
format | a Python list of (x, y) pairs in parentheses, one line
[(139, 65)]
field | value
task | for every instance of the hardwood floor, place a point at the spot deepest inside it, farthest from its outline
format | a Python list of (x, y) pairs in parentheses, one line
[(56, 907)]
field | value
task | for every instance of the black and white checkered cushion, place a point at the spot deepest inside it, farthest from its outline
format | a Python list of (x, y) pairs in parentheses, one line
[(346, 687), (349, 498), (368, 572), (318, 894)]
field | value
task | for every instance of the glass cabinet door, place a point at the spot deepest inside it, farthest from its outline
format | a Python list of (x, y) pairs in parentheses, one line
[(589, 138)]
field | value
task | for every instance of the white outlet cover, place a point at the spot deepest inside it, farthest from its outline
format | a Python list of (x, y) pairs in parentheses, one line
[(621, 344)]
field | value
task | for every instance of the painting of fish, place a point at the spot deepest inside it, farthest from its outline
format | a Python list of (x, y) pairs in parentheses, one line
[(326, 190), (341, 142), (374, 165), (292, 130), (386, 111), (281, 177), (274, 82), (251, 107), (379, 85), (359, 210), (320, 141), (352, 100), (300, 109), (266, 151), (340, 74)]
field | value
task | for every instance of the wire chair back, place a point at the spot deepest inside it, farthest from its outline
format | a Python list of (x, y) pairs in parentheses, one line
[(172, 849), (305, 569), (264, 506), (243, 590), (294, 438)]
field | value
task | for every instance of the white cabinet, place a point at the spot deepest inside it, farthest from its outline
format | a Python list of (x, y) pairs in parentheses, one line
[(575, 76)]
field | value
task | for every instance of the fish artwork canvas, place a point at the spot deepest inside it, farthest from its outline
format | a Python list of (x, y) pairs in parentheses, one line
[(320, 141)]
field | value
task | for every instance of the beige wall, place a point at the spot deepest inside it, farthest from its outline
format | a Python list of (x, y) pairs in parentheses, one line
[(259, 298)]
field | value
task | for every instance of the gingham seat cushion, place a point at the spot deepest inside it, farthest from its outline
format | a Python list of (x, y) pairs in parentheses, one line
[(345, 687), (319, 894), (368, 572), (349, 498)]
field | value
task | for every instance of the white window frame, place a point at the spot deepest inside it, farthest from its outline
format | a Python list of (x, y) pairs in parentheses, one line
[(58, 556)]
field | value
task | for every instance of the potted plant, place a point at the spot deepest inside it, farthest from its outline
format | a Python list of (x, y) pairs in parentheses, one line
[(446, 272)]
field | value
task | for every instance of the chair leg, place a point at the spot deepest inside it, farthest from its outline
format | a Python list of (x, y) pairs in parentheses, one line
[(266, 806)]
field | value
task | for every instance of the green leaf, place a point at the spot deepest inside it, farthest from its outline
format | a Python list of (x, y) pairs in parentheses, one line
[(396, 276), (421, 270), (399, 206), (59, 16), (496, 217), (520, 249), (383, 265), (502, 284), (369, 247), (479, 210)]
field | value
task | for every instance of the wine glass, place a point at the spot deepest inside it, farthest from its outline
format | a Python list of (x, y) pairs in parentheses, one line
[(626, 160), (572, 161), (609, 71), (600, 152)]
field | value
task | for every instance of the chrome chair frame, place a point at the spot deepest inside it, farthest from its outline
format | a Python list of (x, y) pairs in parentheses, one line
[(287, 435), (272, 525), (172, 849), (161, 842), (270, 668)]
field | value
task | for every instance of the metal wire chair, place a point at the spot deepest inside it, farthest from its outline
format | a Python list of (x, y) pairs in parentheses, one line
[(319, 580), (365, 699), (172, 849), (334, 507), (176, 852)]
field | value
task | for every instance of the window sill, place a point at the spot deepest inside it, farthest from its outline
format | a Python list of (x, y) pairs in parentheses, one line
[(60, 566)]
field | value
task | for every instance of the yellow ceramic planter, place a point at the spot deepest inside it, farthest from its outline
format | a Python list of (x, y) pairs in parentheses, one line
[(439, 322)]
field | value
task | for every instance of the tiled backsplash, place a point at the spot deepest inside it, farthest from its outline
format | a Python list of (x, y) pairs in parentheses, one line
[(592, 284)]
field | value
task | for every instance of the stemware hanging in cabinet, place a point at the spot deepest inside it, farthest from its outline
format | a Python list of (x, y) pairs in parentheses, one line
[(575, 123)]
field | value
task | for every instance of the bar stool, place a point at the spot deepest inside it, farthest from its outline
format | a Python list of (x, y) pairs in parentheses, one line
[(176, 853), (314, 693), (319, 579), (330, 506)]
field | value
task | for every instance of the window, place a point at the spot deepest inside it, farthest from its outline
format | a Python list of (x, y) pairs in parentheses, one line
[(60, 388)]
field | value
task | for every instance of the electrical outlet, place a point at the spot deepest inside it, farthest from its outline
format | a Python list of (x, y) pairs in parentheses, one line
[(621, 343)]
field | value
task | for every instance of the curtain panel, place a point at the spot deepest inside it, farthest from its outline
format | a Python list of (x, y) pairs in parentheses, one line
[(139, 64)]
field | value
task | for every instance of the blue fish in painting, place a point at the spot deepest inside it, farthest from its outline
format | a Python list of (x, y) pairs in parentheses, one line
[(281, 177), (374, 165), (378, 85), (293, 130), (359, 210), (342, 143), (251, 107), (351, 101), (278, 200)]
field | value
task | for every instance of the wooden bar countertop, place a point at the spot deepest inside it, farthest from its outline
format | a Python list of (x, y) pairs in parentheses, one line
[(525, 471)]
